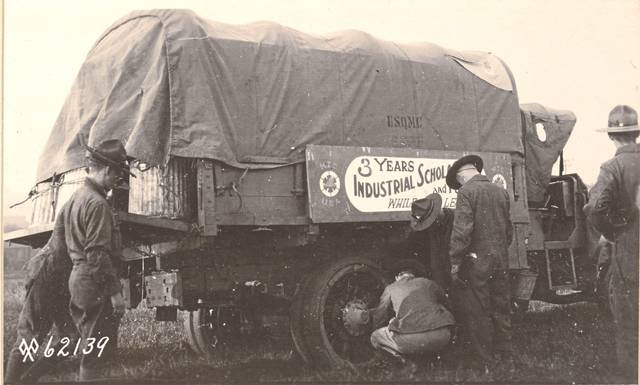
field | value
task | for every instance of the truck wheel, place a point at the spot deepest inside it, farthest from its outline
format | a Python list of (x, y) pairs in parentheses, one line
[(295, 326), (317, 328), (208, 329)]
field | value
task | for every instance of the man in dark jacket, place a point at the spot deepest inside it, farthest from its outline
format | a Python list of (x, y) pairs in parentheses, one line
[(481, 234), (431, 225), (417, 320), (46, 305), (92, 242), (614, 213)]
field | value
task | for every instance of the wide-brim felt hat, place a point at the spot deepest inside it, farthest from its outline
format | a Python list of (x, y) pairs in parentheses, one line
[(111, 153), (621, 119), (475, 160), (425, 211)]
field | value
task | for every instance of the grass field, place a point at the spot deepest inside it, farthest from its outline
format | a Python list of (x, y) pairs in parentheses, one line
[(554, 344)]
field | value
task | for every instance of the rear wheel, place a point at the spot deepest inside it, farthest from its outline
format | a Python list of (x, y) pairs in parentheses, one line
[(295, 326), (209, 328), (317, 327)]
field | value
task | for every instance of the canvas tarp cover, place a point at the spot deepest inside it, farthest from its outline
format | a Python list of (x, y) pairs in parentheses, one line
[(541, 155), (169, 83)]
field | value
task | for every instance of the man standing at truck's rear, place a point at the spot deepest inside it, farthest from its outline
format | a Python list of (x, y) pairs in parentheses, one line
[(614, 213), (93, 244), (480, 237)]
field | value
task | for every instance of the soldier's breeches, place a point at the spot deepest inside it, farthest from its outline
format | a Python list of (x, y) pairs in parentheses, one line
[(625, 317), (95, 320), (500, 291), (482, 307), (415, 343)]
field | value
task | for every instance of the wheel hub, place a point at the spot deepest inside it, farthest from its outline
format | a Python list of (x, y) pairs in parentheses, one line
[(355, 317)]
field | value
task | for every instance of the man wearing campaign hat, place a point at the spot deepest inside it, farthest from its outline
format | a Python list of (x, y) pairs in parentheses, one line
[(480, 237), (612, 210), (92, 239)]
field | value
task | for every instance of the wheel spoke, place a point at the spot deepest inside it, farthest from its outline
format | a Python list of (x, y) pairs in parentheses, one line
[(333, 338), (364, 348), (348, 354), (349, 285), (344, 348), (356, 291)]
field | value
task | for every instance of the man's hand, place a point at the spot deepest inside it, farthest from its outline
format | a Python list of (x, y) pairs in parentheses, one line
[(117, 301)]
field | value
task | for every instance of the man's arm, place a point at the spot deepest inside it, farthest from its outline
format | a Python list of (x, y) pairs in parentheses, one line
[(462, 229), (380, 315), (604, 177), (603, 214), (99, 227)]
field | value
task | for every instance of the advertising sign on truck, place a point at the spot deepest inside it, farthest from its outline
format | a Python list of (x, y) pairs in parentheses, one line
[(356, 184)]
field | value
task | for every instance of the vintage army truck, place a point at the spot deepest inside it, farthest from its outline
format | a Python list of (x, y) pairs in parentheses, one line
[(276, 171)]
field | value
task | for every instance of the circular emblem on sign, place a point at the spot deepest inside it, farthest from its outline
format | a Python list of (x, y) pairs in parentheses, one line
[(329, 183), (500, 181)]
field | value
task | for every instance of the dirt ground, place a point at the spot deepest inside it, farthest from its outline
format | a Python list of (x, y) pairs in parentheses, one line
[(553, 344)]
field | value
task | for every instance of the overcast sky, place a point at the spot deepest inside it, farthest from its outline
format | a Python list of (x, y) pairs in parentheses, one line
[(583, 55)]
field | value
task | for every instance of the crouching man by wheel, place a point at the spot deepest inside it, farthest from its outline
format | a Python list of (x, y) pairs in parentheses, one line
[(418, 322)]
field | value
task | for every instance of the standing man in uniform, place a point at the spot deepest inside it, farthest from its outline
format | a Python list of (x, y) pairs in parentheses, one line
[(90, 233), (614, 213), (45, 305), (481, 234)]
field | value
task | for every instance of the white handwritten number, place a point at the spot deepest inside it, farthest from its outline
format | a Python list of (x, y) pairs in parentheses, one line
[(49, 351), (102, 343), (365, 170), (28, 350), (90, 342), (65, 343), (75, 351)]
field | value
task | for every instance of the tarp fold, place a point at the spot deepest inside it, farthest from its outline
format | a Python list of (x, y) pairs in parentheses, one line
[(555, 127), (169, 83)]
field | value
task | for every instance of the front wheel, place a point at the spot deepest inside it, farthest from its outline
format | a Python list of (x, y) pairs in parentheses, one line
[(317, 327)]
